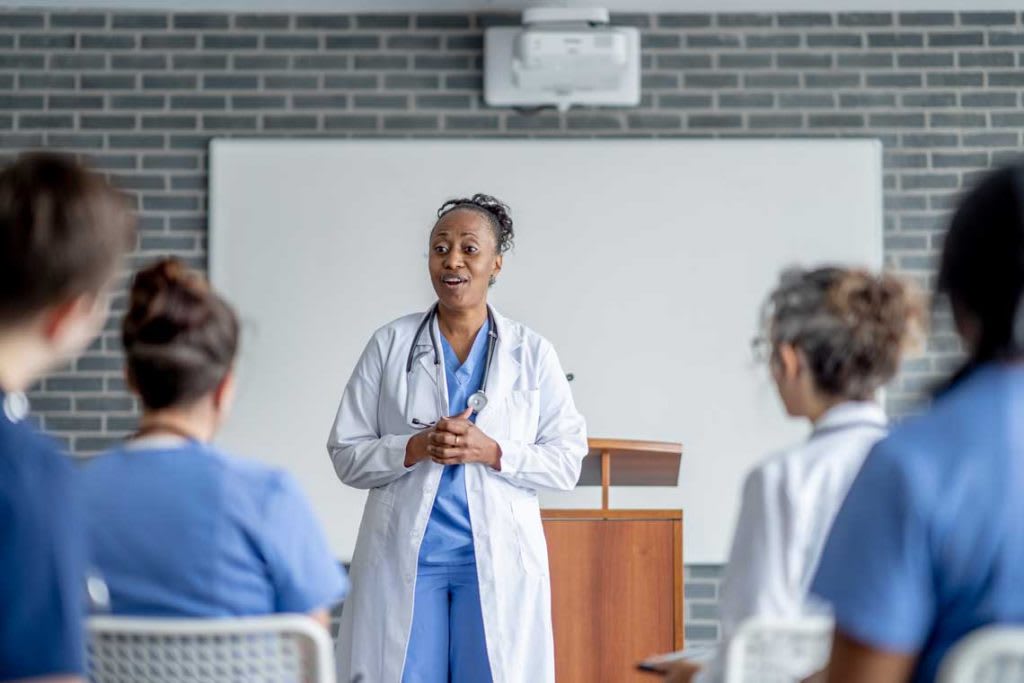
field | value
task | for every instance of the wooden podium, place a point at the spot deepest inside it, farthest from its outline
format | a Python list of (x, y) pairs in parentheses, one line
[(616, 575)]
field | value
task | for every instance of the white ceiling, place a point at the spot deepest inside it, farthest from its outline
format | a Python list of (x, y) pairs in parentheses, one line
[(499, 5)]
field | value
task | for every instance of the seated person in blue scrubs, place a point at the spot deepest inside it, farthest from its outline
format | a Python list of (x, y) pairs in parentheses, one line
[(178, 528), (929, 544), (63, 231)]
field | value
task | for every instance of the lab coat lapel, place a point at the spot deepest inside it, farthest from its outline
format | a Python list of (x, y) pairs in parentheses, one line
[(505, 370)]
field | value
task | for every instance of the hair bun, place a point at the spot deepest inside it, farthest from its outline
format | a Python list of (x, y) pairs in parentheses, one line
[(167, 299), (496, 211)]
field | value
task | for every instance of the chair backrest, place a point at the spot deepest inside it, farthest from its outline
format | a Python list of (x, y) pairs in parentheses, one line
[(271, 649), (994, 654), (778, 650)]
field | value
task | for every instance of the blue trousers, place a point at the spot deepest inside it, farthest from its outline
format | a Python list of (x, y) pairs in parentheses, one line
[(447, 642)]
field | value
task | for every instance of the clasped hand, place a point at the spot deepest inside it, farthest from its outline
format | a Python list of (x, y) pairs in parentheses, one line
[(454, 441)]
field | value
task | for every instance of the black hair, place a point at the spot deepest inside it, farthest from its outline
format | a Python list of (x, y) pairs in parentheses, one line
[(981, 271), (496, 211)]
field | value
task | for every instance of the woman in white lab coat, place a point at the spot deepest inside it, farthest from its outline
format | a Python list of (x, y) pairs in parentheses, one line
[(832, 337), (450, 571)]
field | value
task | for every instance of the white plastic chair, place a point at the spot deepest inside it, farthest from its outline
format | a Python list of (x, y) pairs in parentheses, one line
[(778, 650), (271, 649), (994, 654)]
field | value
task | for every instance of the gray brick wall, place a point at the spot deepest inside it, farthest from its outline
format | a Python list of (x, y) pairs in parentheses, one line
[(141, 94)]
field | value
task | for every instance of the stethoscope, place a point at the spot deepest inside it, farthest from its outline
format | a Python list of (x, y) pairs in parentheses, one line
[(478, 400)]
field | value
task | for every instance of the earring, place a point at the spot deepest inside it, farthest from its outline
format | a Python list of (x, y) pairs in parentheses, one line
[(492, 281)]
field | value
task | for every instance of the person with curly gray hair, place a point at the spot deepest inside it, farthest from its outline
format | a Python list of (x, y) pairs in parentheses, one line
[(453, 419), (831, 338)]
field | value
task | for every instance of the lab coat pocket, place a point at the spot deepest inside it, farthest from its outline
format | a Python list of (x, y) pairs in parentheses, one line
[(533, 547), (378, 518), (523, 415)]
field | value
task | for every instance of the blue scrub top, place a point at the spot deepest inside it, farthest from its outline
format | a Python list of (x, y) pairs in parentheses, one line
[(185, 530), (42, 580), (448, 539), (929, 543)]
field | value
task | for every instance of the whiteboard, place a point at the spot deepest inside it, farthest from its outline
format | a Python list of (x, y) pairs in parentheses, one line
[(645, 262)]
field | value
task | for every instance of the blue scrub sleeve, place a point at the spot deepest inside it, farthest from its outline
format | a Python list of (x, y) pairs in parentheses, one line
[(876, 569), (305, 574), (42, 583)]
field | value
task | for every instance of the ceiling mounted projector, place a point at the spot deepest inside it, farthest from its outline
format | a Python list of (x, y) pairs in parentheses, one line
[(562, 57)]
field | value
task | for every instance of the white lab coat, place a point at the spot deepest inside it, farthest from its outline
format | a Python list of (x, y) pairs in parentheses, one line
[(531, 414), (789, 504)]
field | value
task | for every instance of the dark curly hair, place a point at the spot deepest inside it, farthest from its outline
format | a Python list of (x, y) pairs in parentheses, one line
[(496, 211)]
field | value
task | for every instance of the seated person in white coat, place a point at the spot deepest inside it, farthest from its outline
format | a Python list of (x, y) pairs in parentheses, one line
[(177, 527), (832, 338)]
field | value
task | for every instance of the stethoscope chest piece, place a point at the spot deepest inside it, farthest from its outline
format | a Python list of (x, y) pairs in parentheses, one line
[(477, 401)]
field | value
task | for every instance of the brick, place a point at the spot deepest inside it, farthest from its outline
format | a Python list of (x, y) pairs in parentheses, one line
[(959, 159), (22, 61), (62, 423), (832, 80), (772, 41), (773, 81), (267, 21), (896, 120), (140, 21), (654, 121), (46, 81), (941, 79), (988, 18), (46, 41), (931, 99), (866, 100), (957, 120), (956, 39), (320, 62), (168, 82), (107, 82), (74, 384), (805, 20), (169, 122), (836, 121), (291, 42), (807, 100), (257, 101), (200, 21), (231, 41), (746, 100), (198, 102), (442, 21), (867, 60), (45, 121), (73, 20), (894, 80), (290, 82), (634, 19), (443, 101), (985, 59), (1012, 79), (716, 80), (20, 20), (683, 20), (894, 160), (684, 61), (21, 101), (77, 61), (412, 82), (929, 181), (473, 122), (170, 162), (538, 122), (800, 60), (108, 122), (836, 40), (773, 121), (414, 42), (658, 41), (1008, 120), (685, 101), (289, 122), (744, 61), (143, 62), (106, 42), (898, 40), (351, 81), (376, 101), (1005, 38), (918, 60), (441, 62), (230, 82), (592, 122), (350, 122), (259, 62), (865, 19), (410, 122), (320, 101), (927, 19), (323, 21), (744, 20), (354, 41), (912, 140), (704, 41), (85, 445), (168, 42), (146, 141), (382, 21), (464, 42), (714, 121), (74, 141), (989, 99), (381, 62), (994, 139), (200, 62)]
